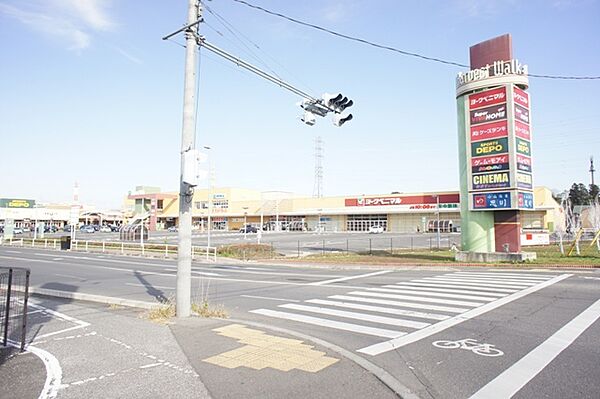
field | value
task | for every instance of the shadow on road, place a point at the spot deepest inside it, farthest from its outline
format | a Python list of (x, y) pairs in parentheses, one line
[(154, 292)]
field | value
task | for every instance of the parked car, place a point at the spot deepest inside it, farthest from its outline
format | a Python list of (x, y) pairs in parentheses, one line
[(17, 230), (67, 228), (376, 229), (172, 229), (115, 229), (248, 229), (88, 229), (105, 229)]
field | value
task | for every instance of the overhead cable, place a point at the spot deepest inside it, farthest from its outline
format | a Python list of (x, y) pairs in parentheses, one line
[(394, 49)]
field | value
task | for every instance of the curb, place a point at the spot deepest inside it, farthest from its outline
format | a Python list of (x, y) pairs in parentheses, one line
[(94, 298)]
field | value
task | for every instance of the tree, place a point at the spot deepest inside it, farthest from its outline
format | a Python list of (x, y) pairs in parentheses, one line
[(594, 191), (579, 194)]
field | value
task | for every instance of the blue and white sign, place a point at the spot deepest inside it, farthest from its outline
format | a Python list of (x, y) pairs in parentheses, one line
[(525, 200), (497, 200)]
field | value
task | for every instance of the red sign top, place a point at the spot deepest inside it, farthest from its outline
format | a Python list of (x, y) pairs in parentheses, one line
[(407, 200), (488, 97), (521, 97)]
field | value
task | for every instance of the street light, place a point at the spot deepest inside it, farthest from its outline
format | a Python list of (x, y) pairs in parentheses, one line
[(437, 208)]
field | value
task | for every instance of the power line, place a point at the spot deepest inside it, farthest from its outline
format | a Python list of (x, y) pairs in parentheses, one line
[(394, 49)]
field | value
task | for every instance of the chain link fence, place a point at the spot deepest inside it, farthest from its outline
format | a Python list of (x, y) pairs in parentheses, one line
[(14, 294)]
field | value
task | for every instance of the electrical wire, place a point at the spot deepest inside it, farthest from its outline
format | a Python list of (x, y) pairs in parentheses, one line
[(394, 49)]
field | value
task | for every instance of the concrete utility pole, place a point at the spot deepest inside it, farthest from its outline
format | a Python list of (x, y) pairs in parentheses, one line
[(184, 257)]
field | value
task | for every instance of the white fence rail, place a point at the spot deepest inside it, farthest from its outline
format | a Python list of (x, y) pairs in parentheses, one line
[(122, 248)]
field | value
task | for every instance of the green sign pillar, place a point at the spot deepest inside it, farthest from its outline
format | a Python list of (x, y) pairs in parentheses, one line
[(477, 228)]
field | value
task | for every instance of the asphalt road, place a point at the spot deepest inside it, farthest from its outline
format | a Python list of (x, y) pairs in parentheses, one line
[(530, 333)]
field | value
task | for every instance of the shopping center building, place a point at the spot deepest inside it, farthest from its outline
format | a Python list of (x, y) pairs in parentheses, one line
[(231, 208)]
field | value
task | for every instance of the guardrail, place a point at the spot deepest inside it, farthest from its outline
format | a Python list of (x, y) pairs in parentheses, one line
[(122, 248), (14, 294)]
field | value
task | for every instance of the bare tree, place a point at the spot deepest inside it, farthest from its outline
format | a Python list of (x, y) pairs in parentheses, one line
[(594, 219), (561, 220)]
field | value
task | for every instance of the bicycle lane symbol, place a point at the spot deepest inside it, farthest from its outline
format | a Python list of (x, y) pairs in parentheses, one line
[(470, 345)]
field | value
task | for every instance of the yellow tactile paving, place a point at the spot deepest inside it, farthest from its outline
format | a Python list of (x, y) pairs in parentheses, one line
[(262, 351)]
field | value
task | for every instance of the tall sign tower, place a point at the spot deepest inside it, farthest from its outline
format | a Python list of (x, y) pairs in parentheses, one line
[(494, 135)]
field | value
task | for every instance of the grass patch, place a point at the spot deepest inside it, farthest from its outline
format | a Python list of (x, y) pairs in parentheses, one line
[(204, 309), (546, 255), (114, 306), (162, 313), (246, 251)]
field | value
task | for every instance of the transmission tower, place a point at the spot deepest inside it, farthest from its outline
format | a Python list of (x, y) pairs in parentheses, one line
[(318, 185), (592, 170)]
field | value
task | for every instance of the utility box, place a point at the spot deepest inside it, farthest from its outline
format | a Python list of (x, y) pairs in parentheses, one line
[(65, 243)]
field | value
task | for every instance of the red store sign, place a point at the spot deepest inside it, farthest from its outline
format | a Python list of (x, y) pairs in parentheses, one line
[(488, 97), (407, 200)]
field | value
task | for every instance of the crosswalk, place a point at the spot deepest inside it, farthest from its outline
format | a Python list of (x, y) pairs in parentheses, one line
[(407, 311)]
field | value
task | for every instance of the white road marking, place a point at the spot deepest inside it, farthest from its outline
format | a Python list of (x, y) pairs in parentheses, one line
[(147, 366), (269, 298), (443, 325), (519, 374), (412, 305), (162, 287), (336, 280), (338, 325), (204, 273), (357, 316), (506, 275), (461, 282), (57, 259), (12, 252), (399, 290), (400, 312), (469, 287), (411, 288), (417, 298), (511, 280), (53, 372), (481, 280)]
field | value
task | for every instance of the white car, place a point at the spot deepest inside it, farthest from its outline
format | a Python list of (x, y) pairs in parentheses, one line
[(105, 229), (375, 229)]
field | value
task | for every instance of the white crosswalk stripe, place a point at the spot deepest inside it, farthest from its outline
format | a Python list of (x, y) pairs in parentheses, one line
[(428, 289), (433, 302), (400, 312), (399, 290), (475, 288)]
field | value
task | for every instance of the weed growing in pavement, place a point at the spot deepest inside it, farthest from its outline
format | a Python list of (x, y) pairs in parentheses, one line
[(114, 306), (162, 313), (201, 305)]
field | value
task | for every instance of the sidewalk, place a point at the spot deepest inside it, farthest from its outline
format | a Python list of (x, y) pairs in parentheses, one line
[(82, 349)]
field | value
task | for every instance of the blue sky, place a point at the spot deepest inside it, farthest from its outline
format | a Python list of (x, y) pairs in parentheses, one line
[(90, 93)]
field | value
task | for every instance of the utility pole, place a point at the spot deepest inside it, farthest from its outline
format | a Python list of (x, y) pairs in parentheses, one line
[(592, 170), (184, 257)]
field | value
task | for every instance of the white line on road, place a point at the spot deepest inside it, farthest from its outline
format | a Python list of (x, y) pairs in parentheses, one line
[(69, 276), (461, 282), (400, 312), (336, 280), (443, 325), (519, 374), (13, 252), (147, 366), (506, 275), (357, 316), (162, 287), (469, 287), (411, 288), (399, 290), (269, 298), (412, 305), (418, 298), (482, 280), (338, 325)]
